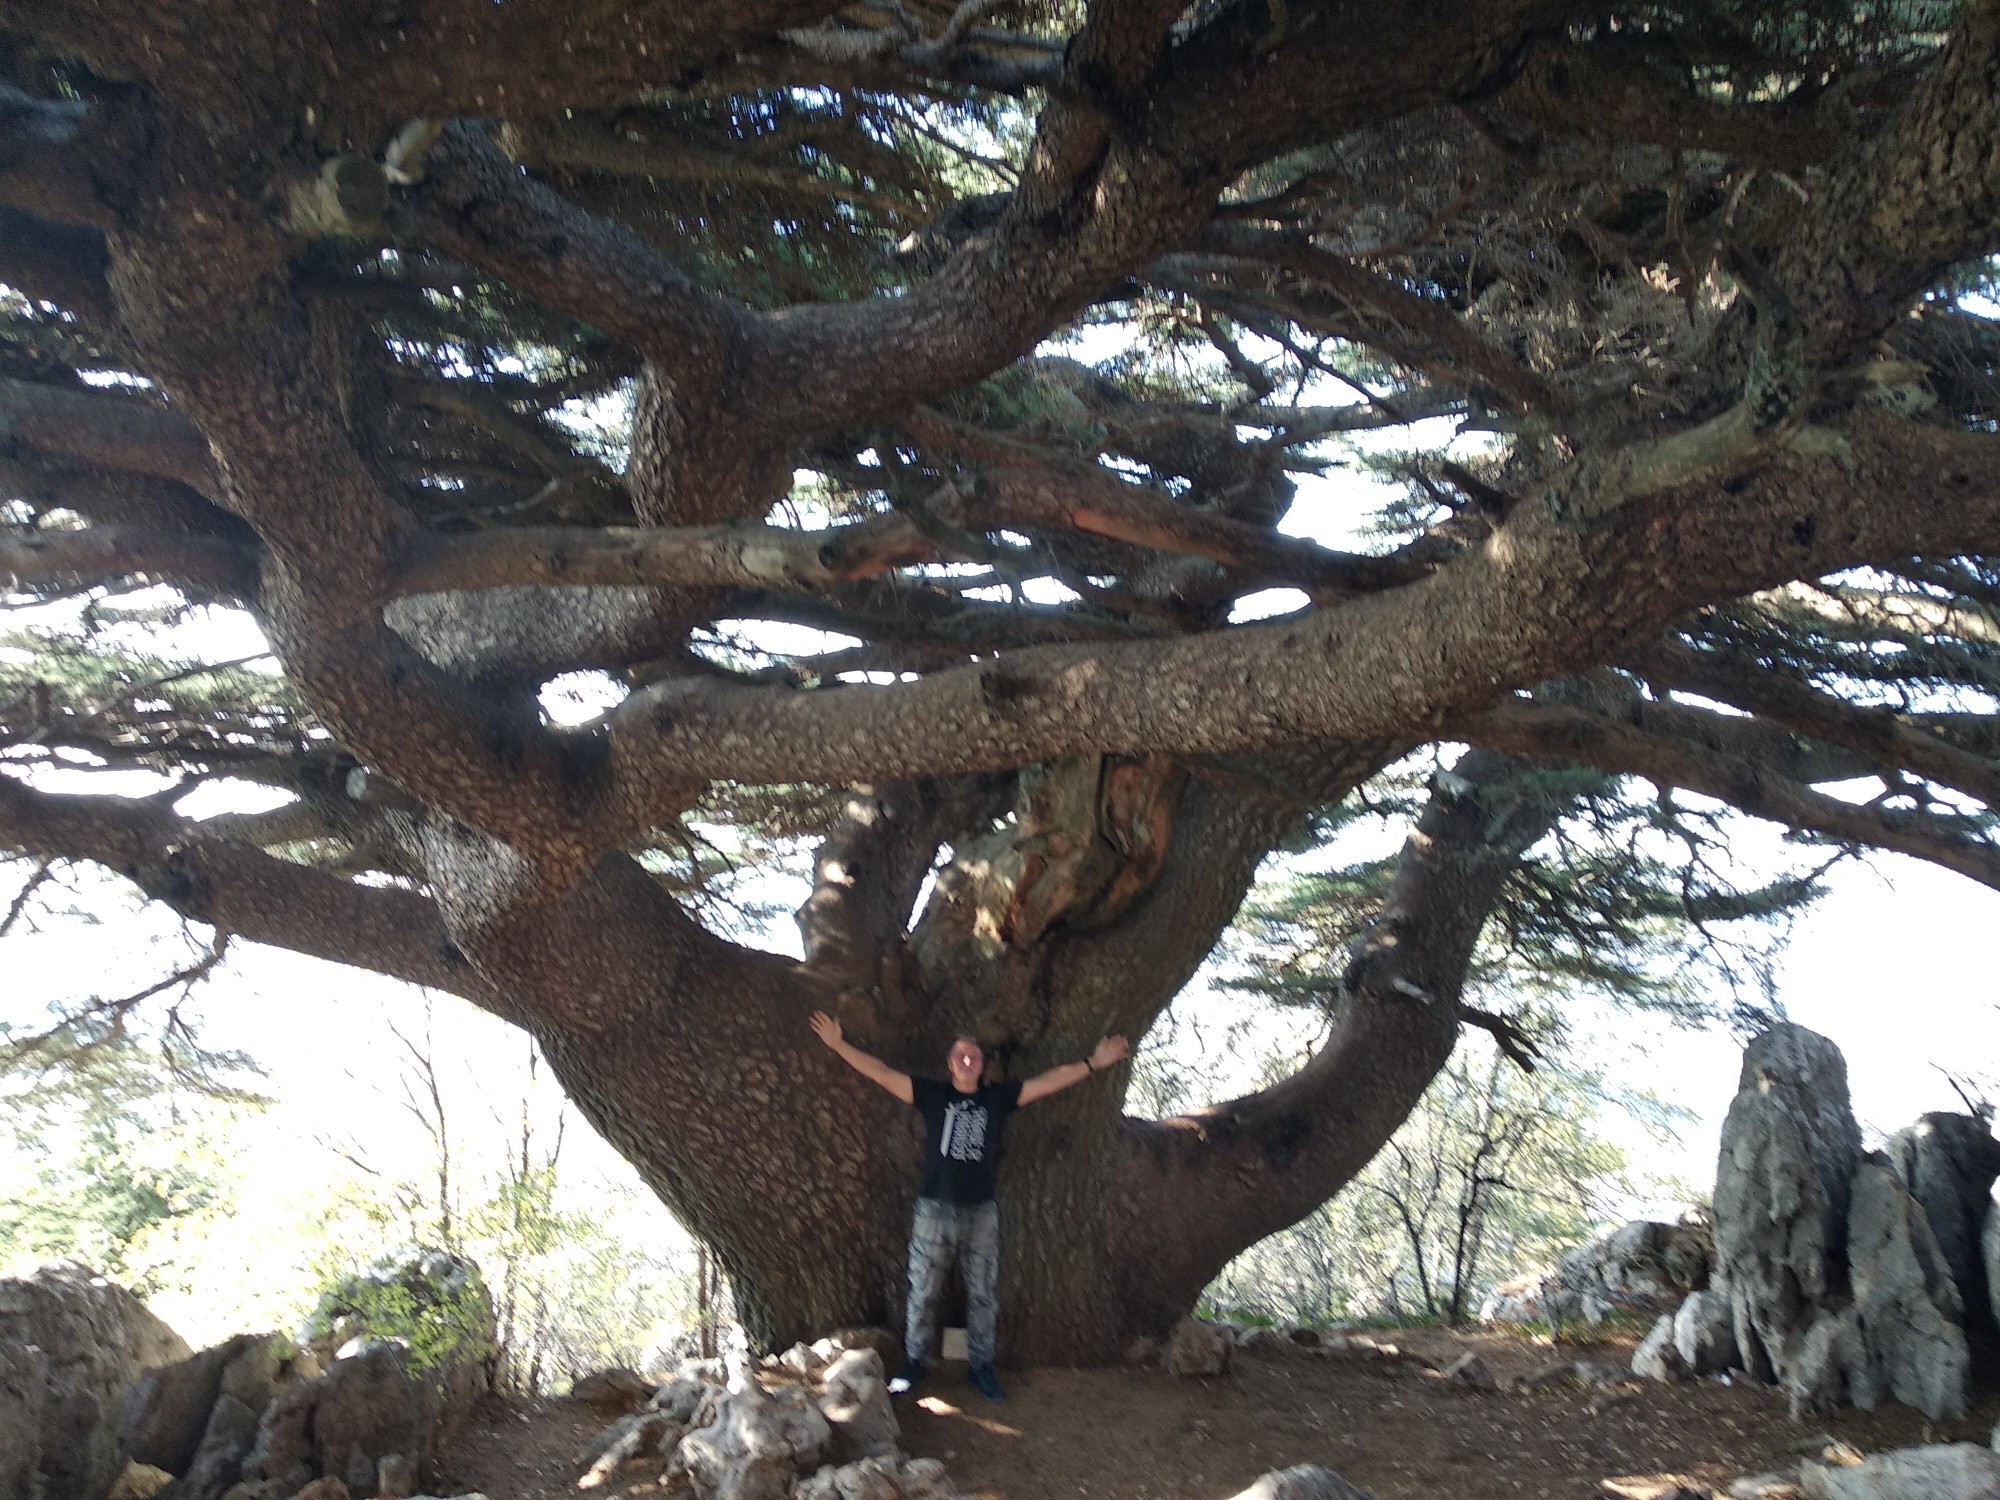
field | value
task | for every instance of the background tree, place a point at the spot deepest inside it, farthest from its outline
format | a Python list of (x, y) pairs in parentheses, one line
[(469, 347)]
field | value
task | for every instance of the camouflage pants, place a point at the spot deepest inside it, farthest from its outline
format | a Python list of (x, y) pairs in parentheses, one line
[(970, 1234)]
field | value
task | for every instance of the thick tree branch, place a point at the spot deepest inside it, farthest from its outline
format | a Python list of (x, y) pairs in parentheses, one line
[(1608, 90), (1921, 196), (1543, 596), (1556, 732), (60, 263), (1465, 352), (240, 890), (205, 563), (1882, 735), (687, 557), (1192, 1189), (122, 433)]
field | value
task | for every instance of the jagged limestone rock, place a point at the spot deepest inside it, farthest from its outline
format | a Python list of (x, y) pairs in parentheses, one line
[(1907, 1305), (1197, 1348), (1790, 1146), (1948, 1163), (1656, 1357)]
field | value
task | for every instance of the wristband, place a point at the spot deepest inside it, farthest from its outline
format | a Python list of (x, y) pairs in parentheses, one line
[(1088, 1066)]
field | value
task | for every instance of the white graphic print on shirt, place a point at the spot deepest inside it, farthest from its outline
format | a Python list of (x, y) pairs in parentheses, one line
[(964, 1137)]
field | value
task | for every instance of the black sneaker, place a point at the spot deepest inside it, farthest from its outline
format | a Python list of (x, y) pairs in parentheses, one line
[(986, 1382), (912, 1376)]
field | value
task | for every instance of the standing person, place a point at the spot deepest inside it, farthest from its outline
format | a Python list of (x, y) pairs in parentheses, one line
[(957, 1215)]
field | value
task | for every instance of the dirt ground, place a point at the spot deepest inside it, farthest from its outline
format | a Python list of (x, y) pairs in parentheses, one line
[(1391, 1425)]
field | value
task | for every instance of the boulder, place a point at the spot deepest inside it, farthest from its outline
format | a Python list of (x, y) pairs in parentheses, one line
[(1906, 1304), (165, 1410), (367, 1408), (433, 1304), (1705, 1333), (23, 1372), (1948, 1163), (1643, 1268), (217, 1464), (1656, 1358), (1989, 1257), (1942, 1471), (1790, 1146), (854, 1399), (94, 1337), (281, 1459), (680, 1398), (1197, 1348), (1302, 1482), (756, 1445)]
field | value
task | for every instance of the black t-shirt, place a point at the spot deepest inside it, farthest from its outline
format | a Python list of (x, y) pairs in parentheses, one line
[(962, 1138)]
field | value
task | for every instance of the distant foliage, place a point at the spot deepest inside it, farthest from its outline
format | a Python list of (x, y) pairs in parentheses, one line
[(1495, 1172), (107, 1152)]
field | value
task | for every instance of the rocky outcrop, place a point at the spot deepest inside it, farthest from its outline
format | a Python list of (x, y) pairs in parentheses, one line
[(1907, 1311), (23, 1376), (1790, 1147), (812, 1423), (1948, 1163), (1641, 1269), (94, 1336)]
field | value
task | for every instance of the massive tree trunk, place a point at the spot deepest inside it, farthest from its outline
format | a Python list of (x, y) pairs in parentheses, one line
[(692, 1056)]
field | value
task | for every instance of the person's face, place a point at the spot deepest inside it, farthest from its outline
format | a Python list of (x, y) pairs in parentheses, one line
[(966, 1062)]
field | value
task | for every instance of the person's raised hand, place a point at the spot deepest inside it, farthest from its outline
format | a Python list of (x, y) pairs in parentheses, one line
[(1109, 1050), (826, 1028)]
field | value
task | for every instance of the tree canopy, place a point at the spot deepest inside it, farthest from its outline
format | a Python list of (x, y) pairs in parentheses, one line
[(898, 415)]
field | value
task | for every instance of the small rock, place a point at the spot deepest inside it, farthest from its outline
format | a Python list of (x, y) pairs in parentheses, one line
[(1705, 1332), (1198, 1348), (1656, 1358), (328, 1488), (1546, 1375), (1765, 1487), (616, 1389), (1302, 1482), (854, 1399), (1143, 1350), (798, 1360), (1470, 1370)]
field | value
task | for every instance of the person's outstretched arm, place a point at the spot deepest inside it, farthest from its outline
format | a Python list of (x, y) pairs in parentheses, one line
[(866, 1064), (1108, 1051)]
